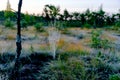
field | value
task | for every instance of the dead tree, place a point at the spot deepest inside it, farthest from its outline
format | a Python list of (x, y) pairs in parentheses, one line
[(15, 73), (18, 38)]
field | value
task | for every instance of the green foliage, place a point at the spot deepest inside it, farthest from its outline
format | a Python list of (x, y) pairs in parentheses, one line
[(117, 26), (27, 18), (97, 41), (39, 27), (32, 20), (8, 14), (87, 25), (114, 77), (71, 23), (24, 24), (8, 23), (59, 25)]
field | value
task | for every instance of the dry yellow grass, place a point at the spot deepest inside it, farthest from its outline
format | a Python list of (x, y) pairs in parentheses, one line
[(11, 36), (61, 43), (43, 34), (76, 47), (1, 30), (86, 40), (32, 29), (44, 46), (108, 37), (79, 29)]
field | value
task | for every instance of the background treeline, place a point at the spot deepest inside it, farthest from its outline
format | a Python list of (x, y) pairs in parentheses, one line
[(51, 15)]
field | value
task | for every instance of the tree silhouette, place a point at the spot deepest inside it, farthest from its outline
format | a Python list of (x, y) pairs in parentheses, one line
[(76, 15), (15, 72), (18, 39), (66, 14), (53, 12)]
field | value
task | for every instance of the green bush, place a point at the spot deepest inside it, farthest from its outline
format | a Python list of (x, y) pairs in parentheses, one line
[(87, 25), (97, 41), (59, 26), (39, 27), (117, 26), (9, 23), (24, 24)]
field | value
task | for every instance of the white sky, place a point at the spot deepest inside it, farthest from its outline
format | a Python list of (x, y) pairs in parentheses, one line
[(36, 6)]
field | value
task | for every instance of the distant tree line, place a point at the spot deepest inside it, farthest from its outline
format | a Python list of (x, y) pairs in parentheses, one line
[(51, 16)]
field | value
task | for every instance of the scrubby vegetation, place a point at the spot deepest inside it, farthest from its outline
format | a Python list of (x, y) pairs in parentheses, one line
[(9, 23), (98, 42), (88, 48), (68, 65)]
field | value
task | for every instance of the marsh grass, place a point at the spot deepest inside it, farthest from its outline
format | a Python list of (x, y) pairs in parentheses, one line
[(78, 66), (75, 60)]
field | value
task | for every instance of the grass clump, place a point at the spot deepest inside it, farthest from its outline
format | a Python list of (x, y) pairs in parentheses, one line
[(76, 66), (60, 70), (66, 55)]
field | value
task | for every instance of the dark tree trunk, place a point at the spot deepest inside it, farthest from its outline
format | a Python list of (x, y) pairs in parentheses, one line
[(18, 38), (15, 73)]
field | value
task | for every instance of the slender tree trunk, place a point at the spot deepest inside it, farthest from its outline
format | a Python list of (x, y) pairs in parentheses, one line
[(18, 38), (15, 73)]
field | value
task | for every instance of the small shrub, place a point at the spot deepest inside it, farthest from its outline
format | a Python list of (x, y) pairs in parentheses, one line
[(24, 24), (117, 26), (97, 41), (70, 70), (39, 27), (8, 23), (59, 25), (87, 25), (31, 48)]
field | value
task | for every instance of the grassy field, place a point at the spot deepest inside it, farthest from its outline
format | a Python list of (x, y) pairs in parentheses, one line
[(82, 54)]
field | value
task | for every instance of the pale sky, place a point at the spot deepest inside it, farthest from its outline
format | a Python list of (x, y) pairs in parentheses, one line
[(36, 6)]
